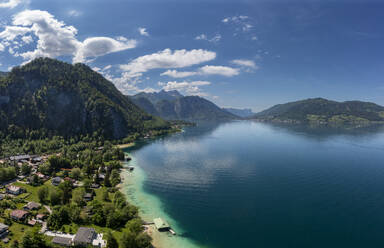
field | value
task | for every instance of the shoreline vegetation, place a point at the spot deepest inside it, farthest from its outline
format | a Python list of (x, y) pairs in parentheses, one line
[(73, 184)]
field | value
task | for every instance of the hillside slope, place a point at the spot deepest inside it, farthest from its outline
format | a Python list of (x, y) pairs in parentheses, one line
[(48, 97), (323, 111), (171, 105)]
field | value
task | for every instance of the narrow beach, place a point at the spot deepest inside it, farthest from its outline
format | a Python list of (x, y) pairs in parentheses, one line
[(150, 207)]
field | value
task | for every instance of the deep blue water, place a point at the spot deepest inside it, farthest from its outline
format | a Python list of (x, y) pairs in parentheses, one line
[(246, 184)]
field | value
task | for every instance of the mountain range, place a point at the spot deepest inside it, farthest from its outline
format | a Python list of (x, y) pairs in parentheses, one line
[(323, 111), (171, 105), (243, 113), (48, 97)]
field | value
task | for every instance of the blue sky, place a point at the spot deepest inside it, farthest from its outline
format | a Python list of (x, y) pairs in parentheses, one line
[(236, 53)]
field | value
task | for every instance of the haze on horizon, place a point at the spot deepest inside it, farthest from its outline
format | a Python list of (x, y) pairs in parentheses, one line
[(236, 53)]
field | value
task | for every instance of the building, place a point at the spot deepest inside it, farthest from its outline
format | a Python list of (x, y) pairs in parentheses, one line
[(37, 160), (14, 190), (88, 197), (19, 215), (41, 217), (31, 206), (20, 158), (161, 224), (84, 236), (95, 186), (62, 241), (32, 222), (56, 181), (3, 230)]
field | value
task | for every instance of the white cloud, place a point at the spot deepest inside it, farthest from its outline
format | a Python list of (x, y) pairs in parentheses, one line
[(166, 59), (1, 47), (241, 22), (10, 33), (245, 62), (218, 70), (201, 37), (143, 31), (27, 39), (190, 88), (214, 39), (178, 74), (55, 38), (203, 71), (10, 4), (98, 46), (74, 13)]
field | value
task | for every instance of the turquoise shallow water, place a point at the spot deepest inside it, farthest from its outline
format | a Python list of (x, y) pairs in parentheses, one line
[(246, 184)]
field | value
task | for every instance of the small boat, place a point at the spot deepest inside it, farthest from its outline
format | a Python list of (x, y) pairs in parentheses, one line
[(131, 168), (172, 232)]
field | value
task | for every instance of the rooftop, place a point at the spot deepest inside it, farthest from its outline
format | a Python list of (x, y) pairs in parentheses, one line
[(32, 205), (161, 224), (85, 235), (19, 214), (13, 188), (62, 241), (19, 157), (3, 227)]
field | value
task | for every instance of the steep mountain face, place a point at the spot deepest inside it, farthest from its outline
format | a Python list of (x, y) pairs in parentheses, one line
[(323, 111), (47, 97), (156, 97), (171, 105), (243, 113)]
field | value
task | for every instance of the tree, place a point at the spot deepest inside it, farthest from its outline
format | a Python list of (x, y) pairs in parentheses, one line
[(143, 240), (66, 188), (111, 240), (115, 177), (132, 240), (55, 197), (77, 196), (33, 239), (15, 244), (135, 225), (75, 173), (42, 193), (105, 195), (59, 217), (25, 169), (128, 240)]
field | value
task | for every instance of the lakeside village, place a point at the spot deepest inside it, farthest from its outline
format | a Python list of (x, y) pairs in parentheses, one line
[(70, 198)]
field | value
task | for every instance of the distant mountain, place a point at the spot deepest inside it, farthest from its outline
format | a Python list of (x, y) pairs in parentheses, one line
[(3, 74), (48, 97), (156, 97), (171, 105), (323, 111), (243, 113)]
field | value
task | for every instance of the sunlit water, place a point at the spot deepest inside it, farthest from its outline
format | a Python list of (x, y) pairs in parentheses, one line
[(246, 184)]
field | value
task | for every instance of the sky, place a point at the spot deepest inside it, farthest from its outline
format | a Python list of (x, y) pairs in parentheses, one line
[(236, 53)]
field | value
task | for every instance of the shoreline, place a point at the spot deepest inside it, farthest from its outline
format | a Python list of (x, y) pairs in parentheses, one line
[(127, 145), (149, 229), (151, 207)]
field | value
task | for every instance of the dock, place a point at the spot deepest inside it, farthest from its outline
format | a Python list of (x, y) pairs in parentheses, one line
[(163, 226)]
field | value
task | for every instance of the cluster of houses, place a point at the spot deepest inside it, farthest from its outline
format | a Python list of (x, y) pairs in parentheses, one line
[(32, 160), (84, 237), (22, 215)]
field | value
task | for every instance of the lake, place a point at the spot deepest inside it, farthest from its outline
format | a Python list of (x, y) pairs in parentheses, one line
[(248, 184)]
